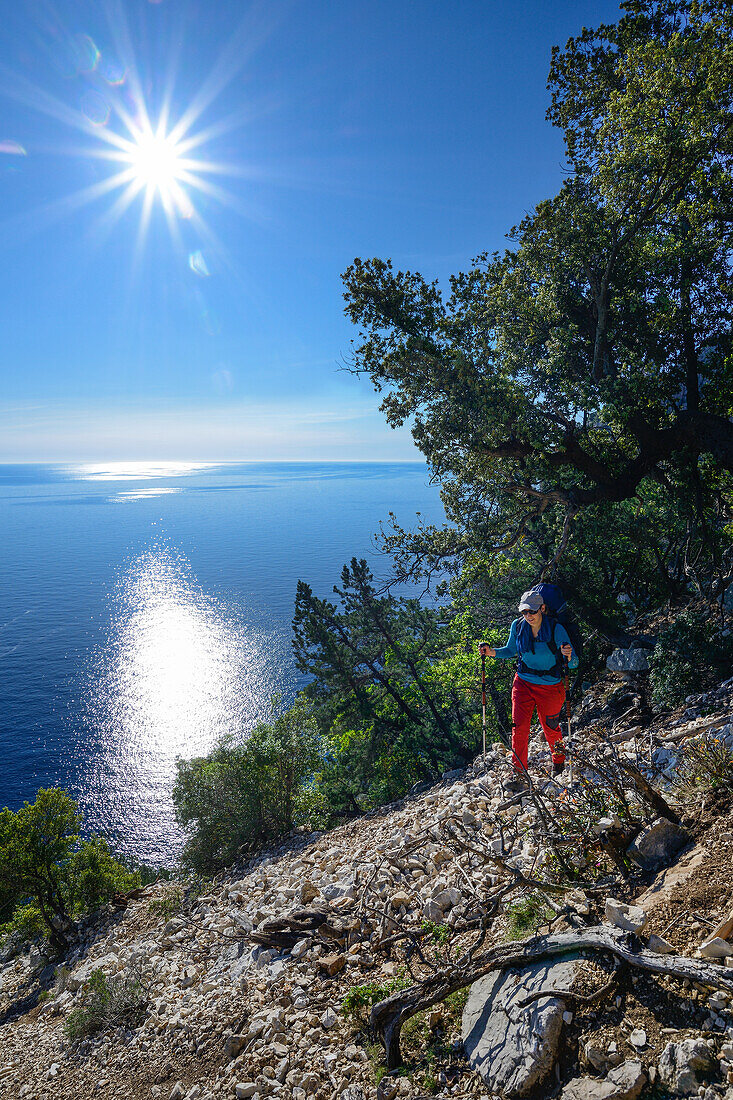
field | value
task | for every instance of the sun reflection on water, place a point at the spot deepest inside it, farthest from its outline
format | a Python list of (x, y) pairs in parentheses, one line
[(134, 471), (178, 674)]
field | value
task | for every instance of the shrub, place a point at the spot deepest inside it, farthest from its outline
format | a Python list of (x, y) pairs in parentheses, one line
[(108, 1002), (705, 764), (50, 875), (526, 915), (689, 657), (248, 794), (168, 905), (360, 999)]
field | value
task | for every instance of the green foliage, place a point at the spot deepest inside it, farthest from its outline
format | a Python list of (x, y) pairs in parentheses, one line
[(704, 764), (394, 690), (690, 656), (436, 933), (120, 1001), (526, 915), (574, 393), (94, 875), (245, 794), (28, 922), (360, 999), (168, 905), (50, 875), (456, 1002), (430, 1083), (438, 936)]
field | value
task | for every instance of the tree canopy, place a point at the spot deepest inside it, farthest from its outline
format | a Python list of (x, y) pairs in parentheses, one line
[(589, 364)]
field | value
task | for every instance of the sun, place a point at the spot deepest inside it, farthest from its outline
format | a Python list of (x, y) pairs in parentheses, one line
[(156, 163)]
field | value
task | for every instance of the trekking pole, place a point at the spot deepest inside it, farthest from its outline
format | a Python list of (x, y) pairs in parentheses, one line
[(568, 715), (483, 705)]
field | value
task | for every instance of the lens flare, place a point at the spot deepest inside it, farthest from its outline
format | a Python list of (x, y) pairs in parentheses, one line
[(95, 107), (13, 147), (197, 263)]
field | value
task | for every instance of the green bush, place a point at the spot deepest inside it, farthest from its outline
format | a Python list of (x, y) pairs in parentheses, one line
[(526, 915), (106, 1003), (245, 795), (49, 875), (167, 906), (360, 999), (690, 656), (705, 764)]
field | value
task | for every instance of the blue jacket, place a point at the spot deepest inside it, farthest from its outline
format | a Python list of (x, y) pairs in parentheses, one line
[(542, 659)]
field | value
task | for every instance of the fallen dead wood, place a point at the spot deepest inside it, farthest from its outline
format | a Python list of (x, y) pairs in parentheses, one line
[(389, 1016), (284, 932)]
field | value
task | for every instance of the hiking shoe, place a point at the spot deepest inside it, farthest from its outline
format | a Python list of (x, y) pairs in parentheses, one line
[(558, 767), (518, 782)]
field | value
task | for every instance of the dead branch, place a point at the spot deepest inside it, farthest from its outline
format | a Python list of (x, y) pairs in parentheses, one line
[(660, 805), (568, 995), (389, 1016)]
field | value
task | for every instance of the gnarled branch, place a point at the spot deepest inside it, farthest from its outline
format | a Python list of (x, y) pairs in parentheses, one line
[(389, 1016)]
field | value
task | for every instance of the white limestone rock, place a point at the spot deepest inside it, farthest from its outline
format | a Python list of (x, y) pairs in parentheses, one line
[(630, 918), (624, 1082), (681, 1064), (514, 1049)]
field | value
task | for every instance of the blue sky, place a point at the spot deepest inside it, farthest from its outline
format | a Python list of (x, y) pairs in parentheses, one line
[(410, 129)]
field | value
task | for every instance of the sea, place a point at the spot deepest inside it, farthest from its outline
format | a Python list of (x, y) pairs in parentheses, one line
[(145, 614)]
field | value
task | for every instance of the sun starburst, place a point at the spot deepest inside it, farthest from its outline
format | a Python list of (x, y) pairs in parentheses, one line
[(154, 156)]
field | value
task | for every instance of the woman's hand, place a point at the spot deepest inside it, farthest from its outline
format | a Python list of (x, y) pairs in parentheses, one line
[(566, 650), (485, 650)]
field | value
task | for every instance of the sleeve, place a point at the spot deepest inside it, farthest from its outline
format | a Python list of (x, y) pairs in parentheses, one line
[(510, 649), (561, 638)]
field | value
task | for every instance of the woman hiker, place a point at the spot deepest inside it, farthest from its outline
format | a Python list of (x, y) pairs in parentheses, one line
[(538, 641)]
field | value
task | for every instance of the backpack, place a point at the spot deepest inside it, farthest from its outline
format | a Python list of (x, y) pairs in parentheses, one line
[(558, 611)]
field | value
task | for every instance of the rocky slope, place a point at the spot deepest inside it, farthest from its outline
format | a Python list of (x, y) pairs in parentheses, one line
[(245, 985)]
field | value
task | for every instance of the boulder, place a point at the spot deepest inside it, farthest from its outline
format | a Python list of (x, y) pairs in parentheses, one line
[(716, 948), (596, 1057), (680, 1064), (625, 1082), (638, 1038), (446, 899), (400, 898), (332, 964), (233, 1044), (657, 845), (628, 660), (660, 946), (513, 1048), (631, 918), (605, 824), (432, 912), (308, 892), (10, 947)]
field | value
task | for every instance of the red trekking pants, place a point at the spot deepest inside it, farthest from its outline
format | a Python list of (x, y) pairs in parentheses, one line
[(549, 699)]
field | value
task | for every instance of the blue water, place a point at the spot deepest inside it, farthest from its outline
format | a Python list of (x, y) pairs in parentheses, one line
[(145, 612)]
